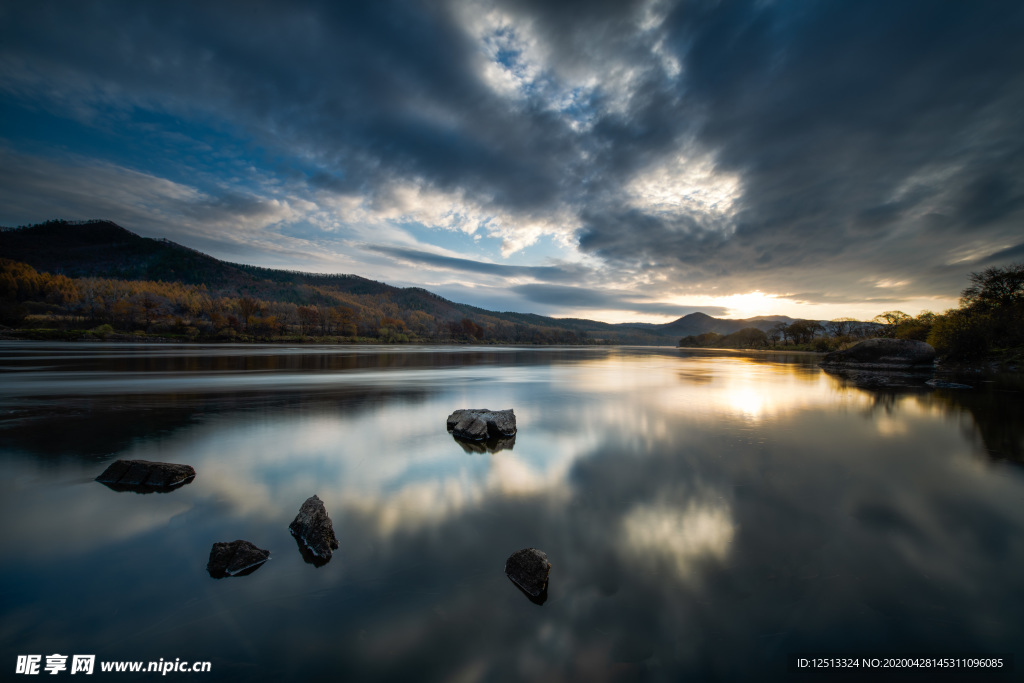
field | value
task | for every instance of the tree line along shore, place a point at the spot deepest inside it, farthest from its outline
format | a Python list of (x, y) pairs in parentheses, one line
[(988, 325), (43, 305)]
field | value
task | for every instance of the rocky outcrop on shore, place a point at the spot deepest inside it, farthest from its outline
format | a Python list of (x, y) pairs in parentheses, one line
[(883, 354)]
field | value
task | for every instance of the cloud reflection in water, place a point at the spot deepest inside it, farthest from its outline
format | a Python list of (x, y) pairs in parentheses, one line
[(680, 536), (685, 520)]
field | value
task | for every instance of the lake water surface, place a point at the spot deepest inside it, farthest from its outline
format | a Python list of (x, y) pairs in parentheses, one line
[(706, 514)]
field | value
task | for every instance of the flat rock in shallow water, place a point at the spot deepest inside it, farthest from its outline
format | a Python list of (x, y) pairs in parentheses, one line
[(236, 558), (477, 424), (528, 568), (314, 528), (142, 475)]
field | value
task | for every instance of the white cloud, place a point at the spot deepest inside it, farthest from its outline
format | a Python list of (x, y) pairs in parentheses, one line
[(686, 185)]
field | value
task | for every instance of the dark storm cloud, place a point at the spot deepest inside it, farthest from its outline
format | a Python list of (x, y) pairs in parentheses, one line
[(866, 141), (1015, 254), (845, 121), (549, 273), (367, 91), (579, 297)]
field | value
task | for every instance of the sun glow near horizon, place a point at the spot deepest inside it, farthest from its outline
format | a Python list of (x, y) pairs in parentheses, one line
[(757, 303)]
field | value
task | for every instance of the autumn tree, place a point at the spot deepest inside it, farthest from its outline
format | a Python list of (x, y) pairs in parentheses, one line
[(890, 320), (309, 319), (248, 308), (803, 331), (990, 318), (916, 328), (421, 323)]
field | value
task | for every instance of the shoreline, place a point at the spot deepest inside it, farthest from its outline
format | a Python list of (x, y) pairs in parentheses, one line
[(942, 366), (803, 352)]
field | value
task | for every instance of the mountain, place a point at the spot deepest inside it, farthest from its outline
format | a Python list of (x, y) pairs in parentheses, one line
[(104, 249), (699, 323)]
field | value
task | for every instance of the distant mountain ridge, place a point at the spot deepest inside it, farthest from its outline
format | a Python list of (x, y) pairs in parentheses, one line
[(101, 248), (699, 323)]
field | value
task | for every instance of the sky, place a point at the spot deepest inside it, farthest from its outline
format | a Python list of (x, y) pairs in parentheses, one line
[(612, 160)]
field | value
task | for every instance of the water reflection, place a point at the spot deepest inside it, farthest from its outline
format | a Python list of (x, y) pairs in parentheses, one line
[(309, 557), (143, 489), (885, 380), (988, 410), (995, 419), (704, 514), (491, 445), (680, 537)]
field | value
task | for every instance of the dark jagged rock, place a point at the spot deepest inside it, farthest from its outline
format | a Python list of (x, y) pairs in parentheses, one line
[(477, 424), (883, 354), (314, 528), (144, 476), (528, 568), (236, 558)]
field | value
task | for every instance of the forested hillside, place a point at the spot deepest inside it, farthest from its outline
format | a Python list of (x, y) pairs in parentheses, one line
[(69, 279)]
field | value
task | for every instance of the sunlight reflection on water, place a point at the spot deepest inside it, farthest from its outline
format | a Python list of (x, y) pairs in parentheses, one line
[(695, 507)]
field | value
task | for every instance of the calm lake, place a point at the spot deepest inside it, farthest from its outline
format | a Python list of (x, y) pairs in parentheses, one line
[(705, 514)]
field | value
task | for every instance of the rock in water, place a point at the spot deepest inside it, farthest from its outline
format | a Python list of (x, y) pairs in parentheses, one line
[(477, 424), (142, 475), (236, 558), (314, 528), (529, 568), (940, 384), (884, 354)]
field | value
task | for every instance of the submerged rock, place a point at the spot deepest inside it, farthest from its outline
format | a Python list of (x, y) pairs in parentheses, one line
[(236, 558), (940, 384), (145, 476), (313, 527), (477, 424), (884, 354), (528, 568), (890, 380)]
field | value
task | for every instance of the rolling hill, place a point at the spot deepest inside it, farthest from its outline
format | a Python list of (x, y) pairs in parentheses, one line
[(103, 249)]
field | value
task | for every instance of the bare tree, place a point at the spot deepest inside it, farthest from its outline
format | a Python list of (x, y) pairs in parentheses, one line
[(782, 330), (841, 327)]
